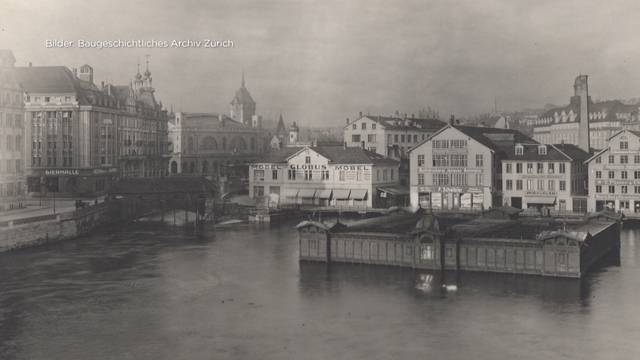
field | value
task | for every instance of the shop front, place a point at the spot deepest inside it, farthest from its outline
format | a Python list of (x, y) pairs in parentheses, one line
[(451, 198), (70, 182)]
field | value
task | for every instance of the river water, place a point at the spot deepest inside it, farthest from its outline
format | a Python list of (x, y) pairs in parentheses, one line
[(152, 292)]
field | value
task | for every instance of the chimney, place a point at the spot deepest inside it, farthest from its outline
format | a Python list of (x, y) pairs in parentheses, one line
[(581, 90), (360, 114), (347, 121), (452, 120)]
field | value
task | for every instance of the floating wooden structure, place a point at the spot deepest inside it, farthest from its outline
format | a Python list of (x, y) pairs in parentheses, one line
[(496, 241)]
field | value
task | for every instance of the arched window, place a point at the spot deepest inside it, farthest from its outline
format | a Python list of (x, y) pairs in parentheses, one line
[(190, 144), (174, 167), (209, 143)]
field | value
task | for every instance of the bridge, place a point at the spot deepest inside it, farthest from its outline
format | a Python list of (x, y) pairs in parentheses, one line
[(133, 198)]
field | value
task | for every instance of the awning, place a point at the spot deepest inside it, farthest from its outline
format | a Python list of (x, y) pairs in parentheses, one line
[(323, 193), (358, 194), (307, 193), (395, 190), (540, 200), (341, 194), (291, 193)]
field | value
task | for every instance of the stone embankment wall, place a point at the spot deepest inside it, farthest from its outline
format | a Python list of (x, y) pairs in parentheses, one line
[(50, 228)]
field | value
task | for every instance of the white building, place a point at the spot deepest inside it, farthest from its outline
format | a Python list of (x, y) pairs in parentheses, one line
[(552, 176), (459, 167), (389, 136), (614, 175), (324, 176)]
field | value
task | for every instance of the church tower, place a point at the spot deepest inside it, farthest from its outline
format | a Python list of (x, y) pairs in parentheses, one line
[(294, 133), (243, 108)]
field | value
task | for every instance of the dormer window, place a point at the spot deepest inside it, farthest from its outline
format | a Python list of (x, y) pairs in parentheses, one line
[(542, 150), (519, 150)]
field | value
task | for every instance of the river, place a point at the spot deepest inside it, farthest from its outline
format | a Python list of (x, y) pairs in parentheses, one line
[(151, 292)]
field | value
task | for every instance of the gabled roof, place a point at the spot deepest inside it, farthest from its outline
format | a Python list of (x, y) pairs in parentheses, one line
[(573, 151), (595, 155), (397, 123), (335, 155)]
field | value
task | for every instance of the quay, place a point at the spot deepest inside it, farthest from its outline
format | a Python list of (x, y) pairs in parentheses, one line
[(497, 240)]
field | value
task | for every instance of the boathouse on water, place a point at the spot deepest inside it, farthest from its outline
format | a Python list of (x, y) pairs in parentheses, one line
[(496, 241)]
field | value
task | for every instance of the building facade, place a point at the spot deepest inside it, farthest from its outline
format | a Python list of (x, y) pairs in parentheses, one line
[(552, 176), (334, 176), (614, 175), (585, 122), (459, 167), (12, 186), (389, 136), (81, 137)]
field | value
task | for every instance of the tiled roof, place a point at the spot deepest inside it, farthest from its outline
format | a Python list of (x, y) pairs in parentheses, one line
[(411, 123), (608, 107), (208, 121), (530, 152), (47, 79), (335, 154), (573, 151), (491, 137)]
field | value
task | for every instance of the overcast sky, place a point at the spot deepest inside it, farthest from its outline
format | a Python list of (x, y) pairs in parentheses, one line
[(319, 62)]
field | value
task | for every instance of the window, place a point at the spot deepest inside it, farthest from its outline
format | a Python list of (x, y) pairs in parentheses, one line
[(561, 168), (440, 179), (529, 185), (519, 150), (562, 185), (623, 174), (636, 189), (325, 174), (384, 174), (636, 159), (459, 160), (355, 138), (479, 180), (258, 175), (459, 179), (508, 168), (440, 160), (624, 145), (518, 168), (391, 173), (542, 150), (598, 160), (540, 168), (274, 174), (395, 138), (421, 160), (354, 126), (612, 175), (440, 144), (509, 184), (458, 144), (552, 185), (480, 160), (373, 126), (552, 168), (624, 204), (623, 189), (612, 189), (518, 184), (308, 175), (598, 174), (636, 174), (364, 126), (371, 138), (624, 159), (599, 188), (415, 138), (420, 179), (540, 184), (258, 191), (611, 159), (292, 174), (529, 168)]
